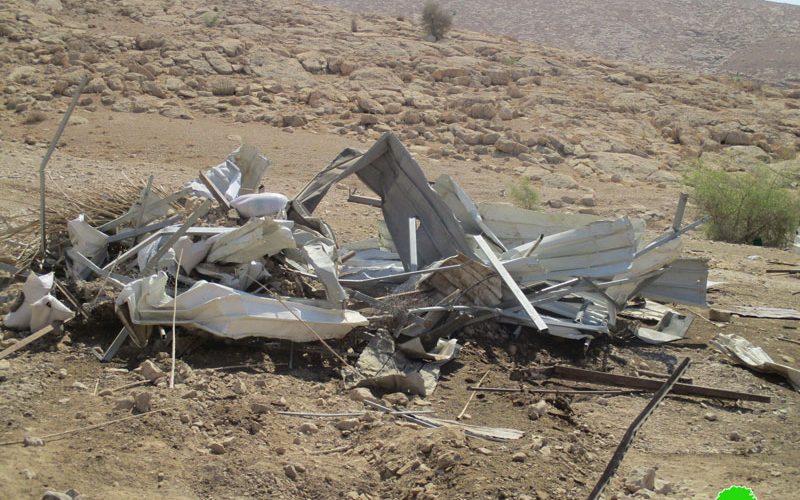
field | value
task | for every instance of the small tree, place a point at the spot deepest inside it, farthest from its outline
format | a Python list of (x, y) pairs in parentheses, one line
[(756, 207), (523, 195), (435, 20)]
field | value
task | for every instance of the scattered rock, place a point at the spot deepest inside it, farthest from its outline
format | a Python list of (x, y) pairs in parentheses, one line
[(216, 448), (519, 457), (641, 478), (290, 471), (55, 495), (510, 147), (32, 441), (396, 398), (719, 316), (360, 394), (125, 403), (149, 41), (150, 371), (711, 417), (143, 401), (347, 424), (537, 410), (308, 428)]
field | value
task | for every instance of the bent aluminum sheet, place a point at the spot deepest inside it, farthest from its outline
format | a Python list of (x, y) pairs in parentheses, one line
[(233, 314), (239, 174), (764, 312), (255, 239), (390, 171), (741, 351), (464, 208), (684, 282), (516, 226), (600, 249)]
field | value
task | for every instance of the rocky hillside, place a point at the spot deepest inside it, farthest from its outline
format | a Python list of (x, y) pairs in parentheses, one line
[(755, 38), (553, 116)]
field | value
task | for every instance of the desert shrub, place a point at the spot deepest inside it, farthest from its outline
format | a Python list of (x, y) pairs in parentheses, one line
[(435, 20), (755, 207), (212, 18), (34, 117), (523, 195)]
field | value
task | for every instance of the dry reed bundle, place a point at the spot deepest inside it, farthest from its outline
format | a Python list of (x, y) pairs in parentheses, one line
[(19, 235)]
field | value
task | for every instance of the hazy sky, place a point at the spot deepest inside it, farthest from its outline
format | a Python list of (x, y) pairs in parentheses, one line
[(793, 2)]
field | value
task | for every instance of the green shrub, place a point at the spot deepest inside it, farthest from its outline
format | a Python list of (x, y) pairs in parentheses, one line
[(523, 195), (212, 18), (435, 20), (756, 207)]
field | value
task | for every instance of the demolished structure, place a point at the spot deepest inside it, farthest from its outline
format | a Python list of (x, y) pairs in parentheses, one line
[(210, 257)]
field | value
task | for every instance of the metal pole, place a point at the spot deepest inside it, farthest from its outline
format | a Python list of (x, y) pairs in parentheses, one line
[(46, 159)]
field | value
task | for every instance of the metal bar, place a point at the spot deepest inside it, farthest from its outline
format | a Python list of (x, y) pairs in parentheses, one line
[(533, 247), (495, 389), (384, 278), (223, 202), (46, 160), (131, 233), (646, 373), (538, 322), (671, 236), (198, 212), (581, 375), (109, 354), (412, 244), (115, 279), (71, 299), (627, 439), (679, 211)]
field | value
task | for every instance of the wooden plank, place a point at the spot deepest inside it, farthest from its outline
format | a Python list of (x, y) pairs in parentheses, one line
[(511, 284), (32, 338), (627, 439), (223, 202), (581, 375), (365, 200)]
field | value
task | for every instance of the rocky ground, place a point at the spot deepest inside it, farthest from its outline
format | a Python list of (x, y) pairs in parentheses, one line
[(174, 87), (750, 38)]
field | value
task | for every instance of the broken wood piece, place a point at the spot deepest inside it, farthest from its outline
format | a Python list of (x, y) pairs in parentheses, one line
[(647, 373), (533, 247), (472, 395), (581, 375), (601, 392), (131, 214), (345, 414), (215, 192), (627, 439), (33, 337), (511, 284), (495, 389), (364, 200), (71, 299), (143, 200), (786, 339)]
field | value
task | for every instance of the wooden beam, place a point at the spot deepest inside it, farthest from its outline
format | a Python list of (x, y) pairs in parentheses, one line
[(581, 375), (365, 200), (33, 337), (223, 202)]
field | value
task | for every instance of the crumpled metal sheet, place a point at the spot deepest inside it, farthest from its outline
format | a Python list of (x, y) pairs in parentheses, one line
[(683, 282), (388, 169), (255, 239), (464, 208), (741, 351), (239, 174), (410, 370), (599, 249), (87, 240), (234, 314)]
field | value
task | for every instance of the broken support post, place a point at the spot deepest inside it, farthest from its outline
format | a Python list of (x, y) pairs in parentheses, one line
[(364, 200), (511, 284), (678, 220), (581, 375), (627, 439), (212, 188), (46, 160), (412, 244), (33, 337)]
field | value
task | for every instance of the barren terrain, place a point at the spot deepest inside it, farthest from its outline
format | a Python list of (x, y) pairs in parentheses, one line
[(748, 38), (173, 88)]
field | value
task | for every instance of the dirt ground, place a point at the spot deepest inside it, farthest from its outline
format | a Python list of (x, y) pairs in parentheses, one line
[(698, 445)]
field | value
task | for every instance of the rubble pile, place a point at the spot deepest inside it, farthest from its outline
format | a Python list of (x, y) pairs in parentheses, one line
[(223, 257)]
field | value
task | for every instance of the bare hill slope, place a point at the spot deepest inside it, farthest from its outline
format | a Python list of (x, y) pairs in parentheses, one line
[(751, 37)]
